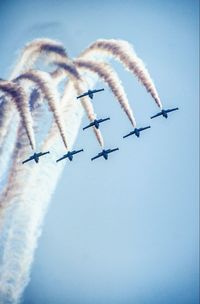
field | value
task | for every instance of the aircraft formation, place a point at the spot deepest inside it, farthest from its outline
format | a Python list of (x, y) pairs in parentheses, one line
[(96, 123)]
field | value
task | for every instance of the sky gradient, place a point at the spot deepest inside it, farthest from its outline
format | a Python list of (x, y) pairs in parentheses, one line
[(123, 230)]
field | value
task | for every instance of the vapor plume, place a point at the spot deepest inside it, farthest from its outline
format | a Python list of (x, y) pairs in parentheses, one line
[(45, 83), (22, 230), (74, 75), (123, 51), (105, 72), (47, 49), (28, 188), (19, 97)]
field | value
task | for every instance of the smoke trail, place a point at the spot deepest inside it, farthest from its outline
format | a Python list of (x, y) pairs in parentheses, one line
[(123, 51), (14, 260), (57, 76), (105, 72), (74, 75), (4, 117), (30, 54), (19, 97), (47, 88), (51, 50), (26, 204), (25, 213)]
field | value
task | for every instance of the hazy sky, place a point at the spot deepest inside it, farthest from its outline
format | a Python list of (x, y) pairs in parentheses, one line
[(123, 230)]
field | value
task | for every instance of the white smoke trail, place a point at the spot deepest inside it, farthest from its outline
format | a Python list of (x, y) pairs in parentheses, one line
[(48, 89), (123, 51), (35, 49), (74, 75), (24, 227), (105, 72), (27, 205), (20, 99), (5, 107), (51, 49)]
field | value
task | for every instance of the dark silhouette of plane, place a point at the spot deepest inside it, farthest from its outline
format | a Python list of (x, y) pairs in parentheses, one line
[(164, 112), (69, 155), (35, 157), (136, 131), (96, 123), (105, 153), (90, 93)]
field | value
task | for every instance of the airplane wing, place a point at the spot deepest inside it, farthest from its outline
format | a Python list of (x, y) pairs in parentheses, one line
[(41, 154), (97, 156), (129, 134), (88, 126), (171, 110), (85, 94), (61, 158), (142, 129), (158, 114), (96, 91), (104, 119), (27, 160), (75, 152), (113, 150)]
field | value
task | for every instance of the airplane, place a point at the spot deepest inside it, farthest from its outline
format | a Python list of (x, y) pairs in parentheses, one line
[(96, 123), (104, 153), (136, 131), (164, 112), (69, 155), (90, 93), (35, 157)]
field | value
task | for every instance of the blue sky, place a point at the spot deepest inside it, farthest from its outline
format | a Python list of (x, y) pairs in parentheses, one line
[(123, 230)]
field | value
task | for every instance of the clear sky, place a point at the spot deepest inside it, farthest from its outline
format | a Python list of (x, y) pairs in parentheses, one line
[(123, 230)]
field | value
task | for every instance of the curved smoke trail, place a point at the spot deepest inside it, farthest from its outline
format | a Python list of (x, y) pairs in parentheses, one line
[(47, 87), (105, 72), (123, 51), (27, 195), (19, 97), (4, 118), (37, 48), (28, 210), (50, 49), (74, 75)]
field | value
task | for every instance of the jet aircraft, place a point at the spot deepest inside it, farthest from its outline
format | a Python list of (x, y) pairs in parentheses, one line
[(90, 93), (35, 157), (104, 153), (96, 123), (136, 131), (69, 155), (164, 113)]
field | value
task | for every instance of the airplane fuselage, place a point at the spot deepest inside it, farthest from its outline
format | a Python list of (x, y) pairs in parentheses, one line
[(96, 124), (105, 154), (70, 157), (164, 113), (36, 158), (90, 93), (137, 132)]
